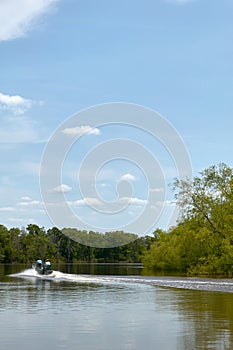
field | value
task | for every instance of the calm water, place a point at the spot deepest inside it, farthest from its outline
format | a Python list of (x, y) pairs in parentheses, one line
[(102, 307)]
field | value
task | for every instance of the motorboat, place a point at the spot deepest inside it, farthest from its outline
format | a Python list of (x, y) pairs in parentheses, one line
[(43, 269)]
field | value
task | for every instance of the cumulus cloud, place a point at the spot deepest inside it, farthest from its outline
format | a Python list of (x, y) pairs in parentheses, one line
[(26, 198), (157, 190), (15, 103), (18, 17), (104, 185), (61, 189), (88, 201), (16, 127), (30, 203), (180, 2), (80, 130), (19, 221), (6, 209), (128, 177), (121, 201), (134, 200)]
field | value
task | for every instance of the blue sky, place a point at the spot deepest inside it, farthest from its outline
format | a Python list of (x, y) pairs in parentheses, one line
[(60, 57)]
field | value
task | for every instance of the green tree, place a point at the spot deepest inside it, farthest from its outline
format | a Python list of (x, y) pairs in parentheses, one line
[(209, 197), (5, 248), (202, 242)]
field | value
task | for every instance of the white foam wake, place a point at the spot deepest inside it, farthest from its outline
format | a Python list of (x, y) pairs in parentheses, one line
[(225, 285)]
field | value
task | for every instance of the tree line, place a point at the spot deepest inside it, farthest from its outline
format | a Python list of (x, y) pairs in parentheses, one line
[(202, 241), (25, 245), (200, 244)]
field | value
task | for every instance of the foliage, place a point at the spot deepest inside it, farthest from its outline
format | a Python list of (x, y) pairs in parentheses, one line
[(26, 245), (202, 242)]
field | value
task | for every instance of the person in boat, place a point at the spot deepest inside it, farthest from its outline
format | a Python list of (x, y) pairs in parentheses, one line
[(39, 263), (47, 265)]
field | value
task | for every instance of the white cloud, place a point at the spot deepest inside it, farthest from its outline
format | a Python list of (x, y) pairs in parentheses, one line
[(128, 177), (15, 126), (88, 201), (96, 202), (21, 221), (6, 209), (61, 189), (18, 17), (180, 2), (30, 203), (80, 130), (133, 200), (104, 185), (15, 103), (157, 190), (171, 203), (26, 198)]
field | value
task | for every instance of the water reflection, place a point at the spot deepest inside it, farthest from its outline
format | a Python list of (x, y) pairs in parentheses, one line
[(209, 318), (101, 269), (206, 318), (7, 269), (98, 313)]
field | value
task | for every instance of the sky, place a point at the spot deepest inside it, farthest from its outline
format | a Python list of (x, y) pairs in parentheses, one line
[(103, 103)]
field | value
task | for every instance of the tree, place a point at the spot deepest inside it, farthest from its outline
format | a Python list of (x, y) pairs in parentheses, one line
[(202, 242), (209, 198), (4, 244)]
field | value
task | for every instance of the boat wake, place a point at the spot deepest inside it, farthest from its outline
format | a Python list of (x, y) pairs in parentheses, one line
[(32, 273), (207, 284)]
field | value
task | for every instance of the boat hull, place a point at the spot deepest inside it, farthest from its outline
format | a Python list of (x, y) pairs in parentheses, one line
[(42, 271)]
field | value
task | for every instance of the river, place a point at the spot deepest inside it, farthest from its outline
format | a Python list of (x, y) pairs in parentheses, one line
[(109, 307)]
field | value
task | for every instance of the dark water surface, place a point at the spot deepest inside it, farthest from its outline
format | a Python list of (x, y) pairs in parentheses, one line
[(109, 307)]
